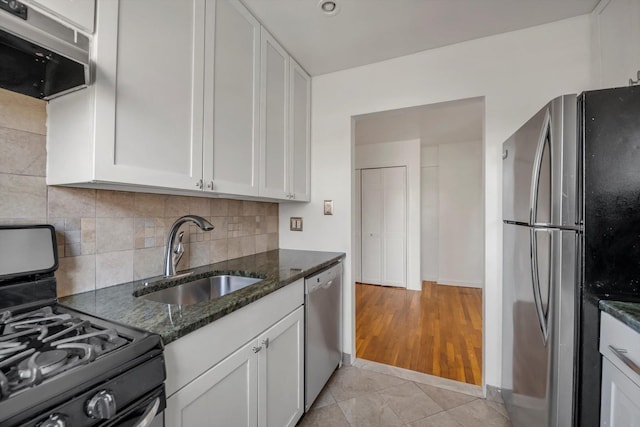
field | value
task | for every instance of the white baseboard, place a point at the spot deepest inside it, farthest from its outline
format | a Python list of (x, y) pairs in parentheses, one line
[(454, 282)]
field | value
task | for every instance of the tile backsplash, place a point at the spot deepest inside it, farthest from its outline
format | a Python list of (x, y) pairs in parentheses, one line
[(110, 237)]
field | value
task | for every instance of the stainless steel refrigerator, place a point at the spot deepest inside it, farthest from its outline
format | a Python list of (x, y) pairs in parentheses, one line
[(571, 237)]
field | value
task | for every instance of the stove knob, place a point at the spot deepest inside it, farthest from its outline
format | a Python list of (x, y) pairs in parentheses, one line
[(102, 405), (54, 420)]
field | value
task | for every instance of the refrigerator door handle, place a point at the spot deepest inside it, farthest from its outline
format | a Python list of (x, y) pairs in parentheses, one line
[(537, 166), (535, 275)]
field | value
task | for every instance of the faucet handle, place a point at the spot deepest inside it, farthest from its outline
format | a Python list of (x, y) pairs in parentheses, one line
[(178, 250)]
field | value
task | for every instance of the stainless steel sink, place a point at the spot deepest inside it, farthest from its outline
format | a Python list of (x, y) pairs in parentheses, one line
[(205, 289)]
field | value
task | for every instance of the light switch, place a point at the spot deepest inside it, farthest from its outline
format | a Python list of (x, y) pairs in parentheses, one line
[(295, 223), (328, 207)]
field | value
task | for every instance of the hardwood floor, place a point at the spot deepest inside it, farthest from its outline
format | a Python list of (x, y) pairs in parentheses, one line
[(437, 331)]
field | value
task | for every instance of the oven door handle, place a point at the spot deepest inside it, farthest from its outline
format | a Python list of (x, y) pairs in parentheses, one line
[(149, 414)]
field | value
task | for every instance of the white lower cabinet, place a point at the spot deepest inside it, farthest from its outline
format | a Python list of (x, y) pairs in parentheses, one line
[(260, 384), (225, 395), (620, 398), (620, 395), (281, 372)]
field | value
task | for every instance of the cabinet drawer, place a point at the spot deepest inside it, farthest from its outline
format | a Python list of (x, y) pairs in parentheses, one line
[(621, 345)]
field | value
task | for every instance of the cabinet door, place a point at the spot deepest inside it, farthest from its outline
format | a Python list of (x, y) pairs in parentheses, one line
[(149, 92), (231, 149), (620, 400), (617, 29), (78, 13), (225, 395), (300, 133), (274, 106), (281, 372)]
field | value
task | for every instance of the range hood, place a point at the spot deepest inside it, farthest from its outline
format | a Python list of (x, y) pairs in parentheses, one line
[(39, 56)]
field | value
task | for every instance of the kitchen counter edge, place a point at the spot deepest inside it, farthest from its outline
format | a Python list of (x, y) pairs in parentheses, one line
[(279, 268)]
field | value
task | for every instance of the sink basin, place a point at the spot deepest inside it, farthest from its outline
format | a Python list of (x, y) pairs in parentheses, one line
[(205, 289)]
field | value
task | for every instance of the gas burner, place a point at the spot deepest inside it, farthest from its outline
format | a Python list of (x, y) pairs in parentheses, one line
[(41, 344)]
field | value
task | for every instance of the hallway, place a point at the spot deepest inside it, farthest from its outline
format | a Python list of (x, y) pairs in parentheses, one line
[(437, 331)]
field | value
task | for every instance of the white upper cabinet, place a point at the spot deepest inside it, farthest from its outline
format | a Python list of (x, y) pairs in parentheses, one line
[(189, 97), (140, 123), (300, 133), (284, 131), (78, 13), (158, 96), (231, 152), (616, 30), (274, 106)]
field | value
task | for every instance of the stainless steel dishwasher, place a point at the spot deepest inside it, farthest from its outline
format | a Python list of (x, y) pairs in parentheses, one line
[(323, 327)]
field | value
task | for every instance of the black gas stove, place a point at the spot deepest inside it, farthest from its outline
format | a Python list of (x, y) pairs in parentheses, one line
[(61, 367)]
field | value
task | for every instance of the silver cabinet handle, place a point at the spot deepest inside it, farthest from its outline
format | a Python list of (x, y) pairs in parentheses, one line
[(265, 342), (256, 348), (199, 184), (622, 355), (210, 185)]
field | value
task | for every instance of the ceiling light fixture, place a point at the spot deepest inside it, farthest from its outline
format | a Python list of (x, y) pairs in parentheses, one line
[(329, 7)]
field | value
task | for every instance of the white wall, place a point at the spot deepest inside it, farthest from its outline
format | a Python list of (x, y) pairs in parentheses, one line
[(460, 216), (399, 153), (517, 72), (429, 212)]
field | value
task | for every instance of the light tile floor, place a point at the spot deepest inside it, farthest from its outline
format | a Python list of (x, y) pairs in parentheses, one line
[(369, 394)]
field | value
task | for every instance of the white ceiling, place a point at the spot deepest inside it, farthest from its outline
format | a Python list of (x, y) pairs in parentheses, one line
[(442, 123), (367, 31)]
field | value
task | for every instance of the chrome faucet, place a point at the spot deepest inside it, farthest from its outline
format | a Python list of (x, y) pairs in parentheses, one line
[(174, 253)]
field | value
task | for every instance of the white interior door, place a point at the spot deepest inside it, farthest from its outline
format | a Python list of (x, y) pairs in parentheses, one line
[(384, 226)]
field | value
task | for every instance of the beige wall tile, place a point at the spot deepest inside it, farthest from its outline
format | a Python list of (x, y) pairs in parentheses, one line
[(220, 231), (247, 225), (235, 207), (113, 268), (65, 202), (22, 197), (176, 206), (261, 208), (23, 112), (199, 206), (272, 209), (76, 274), (219, 207), (114, 204), (272, 241), (234, 249), (272, 224), (114, 234), (147, 263), (22, 153), (248, 245), (262, 243), (249, 208), (149, 205), (199, 254), (218, 250)]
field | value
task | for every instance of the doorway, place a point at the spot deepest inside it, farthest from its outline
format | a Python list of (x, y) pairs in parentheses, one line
[(434, 324)]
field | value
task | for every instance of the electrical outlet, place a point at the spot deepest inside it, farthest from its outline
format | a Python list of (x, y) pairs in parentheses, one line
[(295, 223)]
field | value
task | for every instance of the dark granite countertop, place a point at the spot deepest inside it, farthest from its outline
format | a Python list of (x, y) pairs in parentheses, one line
[(278, 268), (627, 312)]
